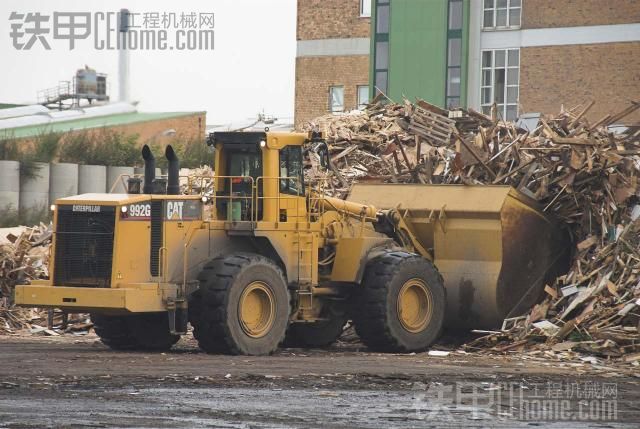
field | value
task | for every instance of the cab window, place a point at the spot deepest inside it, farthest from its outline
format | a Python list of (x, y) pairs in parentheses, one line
[(291, 168), (244, 164)]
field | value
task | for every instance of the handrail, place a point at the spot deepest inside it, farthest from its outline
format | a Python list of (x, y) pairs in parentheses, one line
[(231, 197), (120, 179), (279, 196), (314, 195)]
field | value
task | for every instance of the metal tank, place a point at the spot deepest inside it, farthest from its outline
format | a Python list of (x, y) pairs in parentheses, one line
[(493, 246), (9, 185), (92, 179), (63, 180), (114, 184), (34, 187)]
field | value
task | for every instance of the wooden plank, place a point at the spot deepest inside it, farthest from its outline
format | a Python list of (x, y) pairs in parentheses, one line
[(404, 154), (444, 135), (575, 141), (581, 114), (426, 128), (431, 107), (473, 153)]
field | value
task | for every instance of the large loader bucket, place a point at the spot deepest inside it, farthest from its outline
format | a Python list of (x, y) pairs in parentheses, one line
[(493, 247)]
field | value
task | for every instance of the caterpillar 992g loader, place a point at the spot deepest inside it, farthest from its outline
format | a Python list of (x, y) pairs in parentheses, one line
[(262, 259)]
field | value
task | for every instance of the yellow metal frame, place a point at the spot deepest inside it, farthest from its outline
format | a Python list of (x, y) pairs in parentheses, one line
[(135, 298)]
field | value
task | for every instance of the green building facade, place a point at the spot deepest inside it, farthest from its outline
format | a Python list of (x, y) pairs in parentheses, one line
[(420, 50)]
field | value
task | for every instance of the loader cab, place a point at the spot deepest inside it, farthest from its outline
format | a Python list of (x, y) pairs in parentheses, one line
[(259, 176)]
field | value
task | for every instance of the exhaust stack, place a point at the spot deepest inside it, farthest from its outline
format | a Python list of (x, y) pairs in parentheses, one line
[(149, 170), (173, 183)]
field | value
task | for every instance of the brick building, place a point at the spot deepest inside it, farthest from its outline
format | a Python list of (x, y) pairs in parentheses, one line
[(526, 55), (332, 60), (29, 122)]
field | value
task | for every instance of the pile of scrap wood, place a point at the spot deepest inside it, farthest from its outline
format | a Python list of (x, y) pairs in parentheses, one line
[(24, 256), (579, 172), (39, 321), (595, 307), (197, 180), (12, 318), (393, 142)]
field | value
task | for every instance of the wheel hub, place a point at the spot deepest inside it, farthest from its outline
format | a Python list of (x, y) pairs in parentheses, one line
[(256, 309), (415, 305)]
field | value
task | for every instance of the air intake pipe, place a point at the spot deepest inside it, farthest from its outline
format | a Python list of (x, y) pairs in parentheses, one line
[(173, 184), (149, 169)]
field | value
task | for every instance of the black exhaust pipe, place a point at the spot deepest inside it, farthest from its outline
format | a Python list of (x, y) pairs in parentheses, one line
[(149, 170), (173, 183)]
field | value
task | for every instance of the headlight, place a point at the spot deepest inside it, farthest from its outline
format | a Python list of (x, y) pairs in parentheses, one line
[(123, 209), (53, 207)]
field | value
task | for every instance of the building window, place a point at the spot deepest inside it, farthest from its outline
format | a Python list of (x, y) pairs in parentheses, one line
[(455, 14), (382, 17), (336, 99), (363, 96), (502, 13), (365, 8), (381, 54), (500, 82), (454, 55)]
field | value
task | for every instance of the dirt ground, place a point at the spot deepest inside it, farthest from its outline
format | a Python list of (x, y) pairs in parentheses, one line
[(75, 381)]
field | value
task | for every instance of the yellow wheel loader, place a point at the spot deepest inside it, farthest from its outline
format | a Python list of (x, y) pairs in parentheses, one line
[(260, 257)]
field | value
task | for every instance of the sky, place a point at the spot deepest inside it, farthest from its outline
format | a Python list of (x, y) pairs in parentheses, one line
[(250, 69)]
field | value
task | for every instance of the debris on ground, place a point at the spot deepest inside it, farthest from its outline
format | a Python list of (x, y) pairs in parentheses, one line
[(24, 256), (24, 253), (579, 172)]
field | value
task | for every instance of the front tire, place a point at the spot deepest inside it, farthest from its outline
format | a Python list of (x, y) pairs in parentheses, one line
[(145, 331), (400, 305), (241, 307)]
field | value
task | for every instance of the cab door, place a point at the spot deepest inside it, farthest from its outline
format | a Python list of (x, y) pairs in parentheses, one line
[(292, 204)]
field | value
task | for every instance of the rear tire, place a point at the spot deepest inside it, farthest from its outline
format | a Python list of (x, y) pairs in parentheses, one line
[(400, 305), (114, 331), (147, 331), (319, 334), (241, 307), (151, 331)]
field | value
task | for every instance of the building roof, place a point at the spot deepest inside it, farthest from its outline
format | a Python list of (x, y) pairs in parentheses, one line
[(80, 119), (277, 124), (9, 105)]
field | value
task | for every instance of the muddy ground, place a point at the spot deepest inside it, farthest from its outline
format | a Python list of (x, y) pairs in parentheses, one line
[(73, 381)]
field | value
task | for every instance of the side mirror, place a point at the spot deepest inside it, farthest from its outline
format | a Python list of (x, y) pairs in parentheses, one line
[(317, 145), (211, 140), (323, 152)]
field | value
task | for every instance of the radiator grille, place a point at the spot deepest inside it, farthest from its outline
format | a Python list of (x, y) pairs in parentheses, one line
[(156, 238), (84, 246)]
